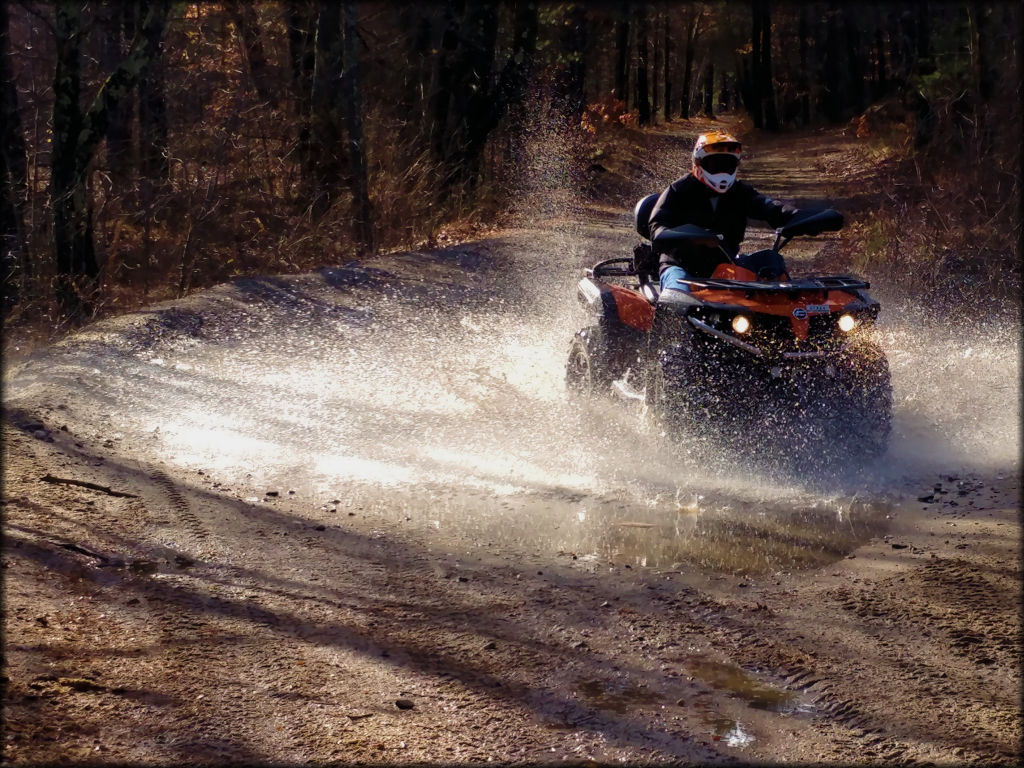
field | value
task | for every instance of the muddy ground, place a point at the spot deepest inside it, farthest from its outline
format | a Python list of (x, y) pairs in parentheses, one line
[(166, 606)]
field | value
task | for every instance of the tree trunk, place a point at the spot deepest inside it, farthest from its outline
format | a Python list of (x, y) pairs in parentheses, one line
[(881, 76), (75, 138), (418, 41), (643, 96), (755, 102), (473, 96), (247, 26), (987, 74), (362, 213), (72, 232), (668, 67), (855, 62), (902, 30), (571, 83), (13, 177), (803, 79), (327, 150), (709, 90), (835, 91), (467, 98), (153, 161), (691, 50), (622, 55), (300, 20), (119, 31), (442, 83), (922, 41), (656, 65), (767, 88)]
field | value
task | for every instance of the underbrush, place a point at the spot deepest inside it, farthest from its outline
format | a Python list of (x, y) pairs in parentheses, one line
[(940, 240), (944, 218)]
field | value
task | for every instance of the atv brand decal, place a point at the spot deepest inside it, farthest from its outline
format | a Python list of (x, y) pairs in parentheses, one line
[(811, 309)]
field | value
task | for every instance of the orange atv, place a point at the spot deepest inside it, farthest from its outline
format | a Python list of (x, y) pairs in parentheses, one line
[(772, 362)]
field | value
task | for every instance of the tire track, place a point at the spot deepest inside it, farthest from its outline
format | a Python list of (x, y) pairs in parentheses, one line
[(959, 613), (180, 505)]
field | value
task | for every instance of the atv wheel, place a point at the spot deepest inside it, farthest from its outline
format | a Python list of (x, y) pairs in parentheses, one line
[(671, 393), (586, 371), (867, 388)]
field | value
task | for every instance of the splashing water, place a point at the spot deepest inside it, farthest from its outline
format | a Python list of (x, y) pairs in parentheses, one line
[(440, 399)]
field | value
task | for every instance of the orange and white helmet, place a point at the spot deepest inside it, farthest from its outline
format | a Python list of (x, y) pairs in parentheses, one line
[(716, 157)]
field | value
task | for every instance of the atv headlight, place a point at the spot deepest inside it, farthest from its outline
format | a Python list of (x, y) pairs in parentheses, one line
[(740, 324), (846, 323)]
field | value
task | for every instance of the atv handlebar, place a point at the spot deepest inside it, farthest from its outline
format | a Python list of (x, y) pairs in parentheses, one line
[(689, 234), (808, 223)]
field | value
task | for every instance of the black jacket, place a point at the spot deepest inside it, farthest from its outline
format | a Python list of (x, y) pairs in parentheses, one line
[(688, 201)]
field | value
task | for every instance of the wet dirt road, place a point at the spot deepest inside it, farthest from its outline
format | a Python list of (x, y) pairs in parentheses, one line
[(353, 516)]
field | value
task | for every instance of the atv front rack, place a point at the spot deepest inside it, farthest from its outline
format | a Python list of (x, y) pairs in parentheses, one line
[(623, 267), (810, 283)]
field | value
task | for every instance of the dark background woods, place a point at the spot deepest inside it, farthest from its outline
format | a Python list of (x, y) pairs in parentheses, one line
[(157, 147)]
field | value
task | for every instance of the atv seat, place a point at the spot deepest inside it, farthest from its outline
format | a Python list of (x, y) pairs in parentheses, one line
[(642, 215), (645, 260)]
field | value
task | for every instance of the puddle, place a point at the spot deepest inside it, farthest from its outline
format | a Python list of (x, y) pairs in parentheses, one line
[(731, 531), (620, 699), (728, 731), (741, 685)]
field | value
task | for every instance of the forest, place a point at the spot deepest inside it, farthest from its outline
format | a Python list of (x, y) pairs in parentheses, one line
[(151, 149)]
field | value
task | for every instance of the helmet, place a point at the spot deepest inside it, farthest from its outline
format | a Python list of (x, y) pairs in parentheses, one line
[(716, 156)]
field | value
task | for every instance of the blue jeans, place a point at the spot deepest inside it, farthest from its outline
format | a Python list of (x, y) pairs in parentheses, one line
[(669, 278)]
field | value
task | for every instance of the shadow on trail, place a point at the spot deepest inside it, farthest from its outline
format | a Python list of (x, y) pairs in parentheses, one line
[(381, 584), (371, 599)]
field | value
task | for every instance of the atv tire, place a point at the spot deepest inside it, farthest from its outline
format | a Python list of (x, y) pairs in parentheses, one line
[(867, 389), (587, 370), (672, 393)]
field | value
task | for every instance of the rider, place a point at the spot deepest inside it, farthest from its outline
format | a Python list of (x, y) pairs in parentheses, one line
[(710, 197)]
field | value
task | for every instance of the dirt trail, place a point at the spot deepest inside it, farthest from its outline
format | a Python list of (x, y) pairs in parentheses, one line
[(172, 602)]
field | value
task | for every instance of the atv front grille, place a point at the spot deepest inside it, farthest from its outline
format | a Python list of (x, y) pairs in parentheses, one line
[(771, 336)]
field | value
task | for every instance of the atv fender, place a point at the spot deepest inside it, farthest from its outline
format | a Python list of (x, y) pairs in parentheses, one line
[(614, 305)]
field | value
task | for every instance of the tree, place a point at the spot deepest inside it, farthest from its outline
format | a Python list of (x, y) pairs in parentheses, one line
[(692, 29), (622, 54), (667, 105), (709, 89), (803, 78), (13, 178), (469, 93), (643, 97), (834, 97), (118, 33), (767, 87), (247, 27), (76, 134), (327, 147), (362, 214), (300, 19), (570, 78)]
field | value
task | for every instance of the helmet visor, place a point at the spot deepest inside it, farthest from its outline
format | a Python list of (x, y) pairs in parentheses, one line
[(719, 163)]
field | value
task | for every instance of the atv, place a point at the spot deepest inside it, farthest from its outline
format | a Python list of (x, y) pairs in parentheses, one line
[(766, 362)]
